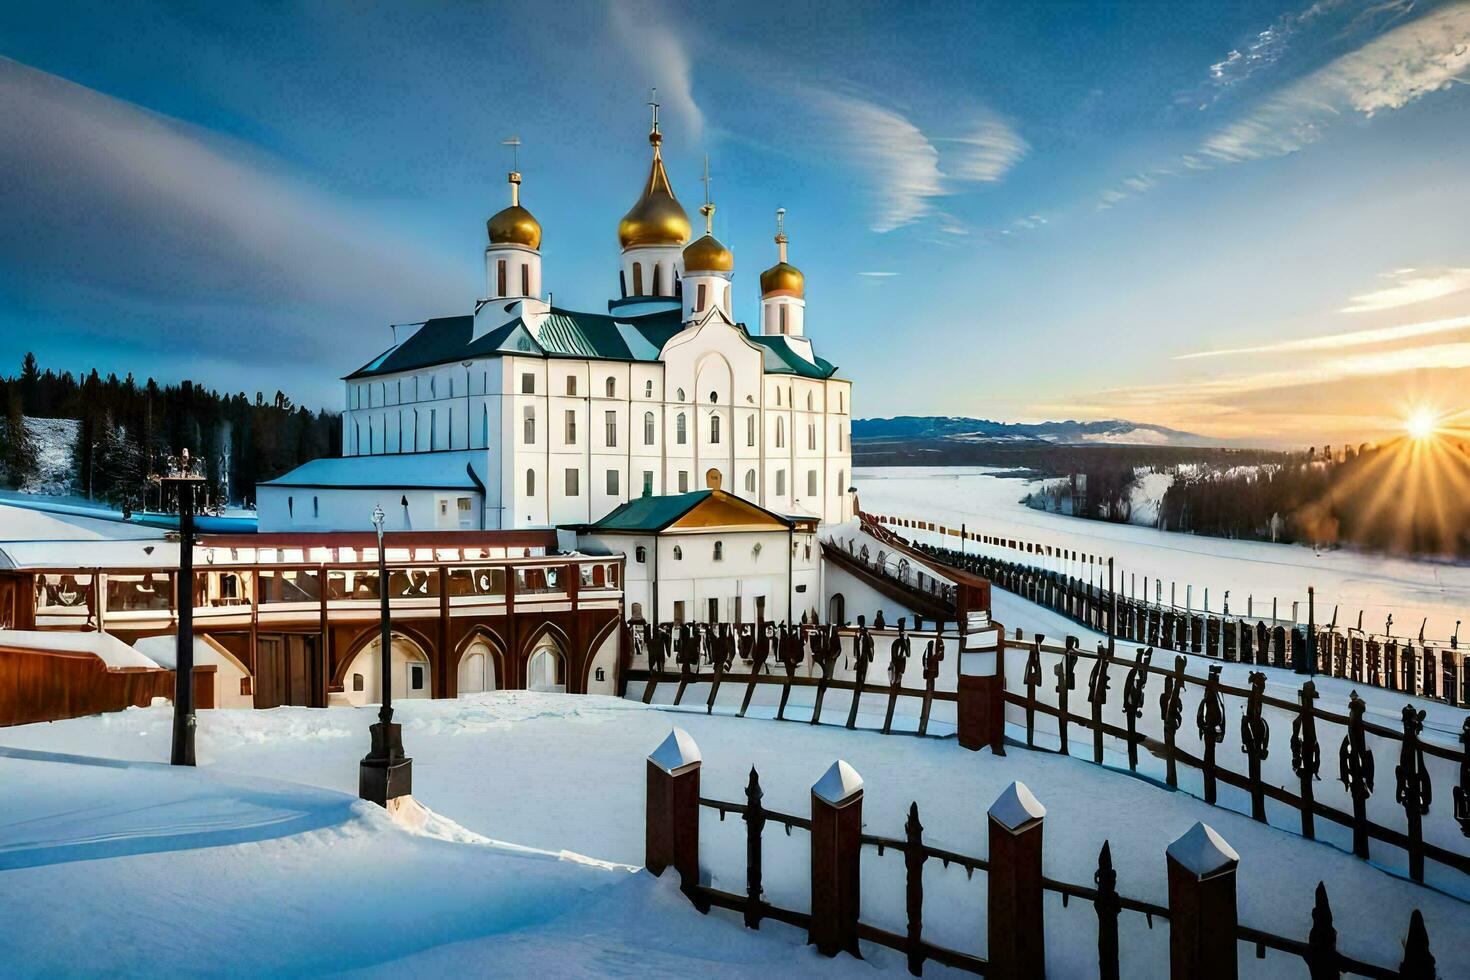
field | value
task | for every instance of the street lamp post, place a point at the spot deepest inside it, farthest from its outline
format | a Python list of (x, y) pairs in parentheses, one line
[(183, 481), (385, 773)]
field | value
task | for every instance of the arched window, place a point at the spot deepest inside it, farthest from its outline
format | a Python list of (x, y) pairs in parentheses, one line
[(841, 402), (719, 551), (714, 429), (530, 483), (528, 426), (681, 429), (657, 279), (780, 432), (678, 553), (648, 429), (637, 278), (809, 401), (750, 430), (679, 395), (648, 388), (750, 481), (612, 387), (640, 554), (485, 426), (714, 397), (778, 397), (500, 277)]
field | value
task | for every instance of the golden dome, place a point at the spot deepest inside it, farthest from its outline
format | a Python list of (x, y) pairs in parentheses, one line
[(707, 254), (514, 225), (784, 279), (657, 218)]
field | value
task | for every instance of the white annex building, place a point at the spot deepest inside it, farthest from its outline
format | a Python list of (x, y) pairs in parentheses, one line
[(523, 414)]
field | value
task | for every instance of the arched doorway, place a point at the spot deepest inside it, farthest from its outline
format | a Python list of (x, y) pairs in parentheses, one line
[(477, 669), (546, 668), (409, 669), (837, 609)]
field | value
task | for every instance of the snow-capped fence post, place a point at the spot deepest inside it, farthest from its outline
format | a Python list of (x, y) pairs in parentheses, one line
[(1202, 911), (1015, 917), (837, 841), (672, 815)]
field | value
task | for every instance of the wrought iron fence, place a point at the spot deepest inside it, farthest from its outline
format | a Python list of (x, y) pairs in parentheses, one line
[(1201, 911)]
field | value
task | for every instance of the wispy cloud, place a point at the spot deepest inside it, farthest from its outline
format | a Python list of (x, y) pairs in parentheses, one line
[(906, 169), (1389, 72), (1338, 341), (878, 275), (155, 217), (643, 30), (1410, 286)]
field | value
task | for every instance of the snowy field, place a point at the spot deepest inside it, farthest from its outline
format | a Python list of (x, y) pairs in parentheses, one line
[(1410, 590), (262, 861)]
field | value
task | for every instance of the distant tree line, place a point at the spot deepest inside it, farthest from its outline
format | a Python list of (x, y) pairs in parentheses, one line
[(1403, 497), (127, 430)]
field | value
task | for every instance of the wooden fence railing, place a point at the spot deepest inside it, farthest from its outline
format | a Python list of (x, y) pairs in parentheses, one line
[(1155, 720), (1204, 932)]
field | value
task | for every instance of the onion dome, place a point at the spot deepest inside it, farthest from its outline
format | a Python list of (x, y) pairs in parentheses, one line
[(657, 218), (783, 278), (708, 254), (514, 225)]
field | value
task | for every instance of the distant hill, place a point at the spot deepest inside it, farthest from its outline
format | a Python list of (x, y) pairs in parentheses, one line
[(1117, 432)]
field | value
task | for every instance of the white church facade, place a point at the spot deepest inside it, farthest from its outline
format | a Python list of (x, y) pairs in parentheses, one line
[(523, 414)]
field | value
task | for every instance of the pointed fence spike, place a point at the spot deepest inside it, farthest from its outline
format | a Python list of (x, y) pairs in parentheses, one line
[(1418, 962)]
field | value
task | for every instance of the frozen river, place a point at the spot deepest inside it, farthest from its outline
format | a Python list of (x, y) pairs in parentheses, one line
[(1254, 571)]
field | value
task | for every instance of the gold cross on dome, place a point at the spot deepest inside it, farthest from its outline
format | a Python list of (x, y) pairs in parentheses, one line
[(653, 104)]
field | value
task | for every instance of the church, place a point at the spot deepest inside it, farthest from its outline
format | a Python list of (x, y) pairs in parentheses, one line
[(524, 415)]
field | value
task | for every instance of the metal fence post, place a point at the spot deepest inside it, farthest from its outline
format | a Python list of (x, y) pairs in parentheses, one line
[(837, 828), (1015, 918), (1202, 912)]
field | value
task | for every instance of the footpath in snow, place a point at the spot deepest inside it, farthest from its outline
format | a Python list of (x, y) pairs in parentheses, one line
[(263, 861)]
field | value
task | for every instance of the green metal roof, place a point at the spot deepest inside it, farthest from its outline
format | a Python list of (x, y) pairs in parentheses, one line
[(567, 333), (653, 514)]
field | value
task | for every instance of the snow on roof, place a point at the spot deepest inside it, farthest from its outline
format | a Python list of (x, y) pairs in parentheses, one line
[(839, 784), (461, 470), (24, 518), (1203, 852), (676, 752), (91, 554), (114, 653), (164, 649), (1016, 808)]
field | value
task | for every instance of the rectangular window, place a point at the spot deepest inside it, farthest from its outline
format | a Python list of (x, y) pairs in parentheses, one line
[(679, 611), (525, 280), (571, 427), (811, 483), (811, 435), (750, 430), (760, 608), (528, 426), (466, 508), (683, 481), (648, 483), (571, 384), (714, 604), (433, 429), (780, 483), (500, 277), (611, 421), (528, 383), (699, 301), (612, 483), (574, 482)]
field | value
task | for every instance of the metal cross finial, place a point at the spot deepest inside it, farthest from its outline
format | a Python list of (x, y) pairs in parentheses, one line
[(707, 209), (514, 142), (780, 221), (653, 104), (706, 178)]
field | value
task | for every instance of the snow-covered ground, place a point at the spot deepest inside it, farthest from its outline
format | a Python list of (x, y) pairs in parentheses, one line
[(261, 861), (1412, 591)]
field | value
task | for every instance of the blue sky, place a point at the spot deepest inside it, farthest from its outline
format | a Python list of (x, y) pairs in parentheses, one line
[(1248, 220)]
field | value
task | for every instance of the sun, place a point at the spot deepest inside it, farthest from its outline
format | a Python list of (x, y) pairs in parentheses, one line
[(1421, 424)]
